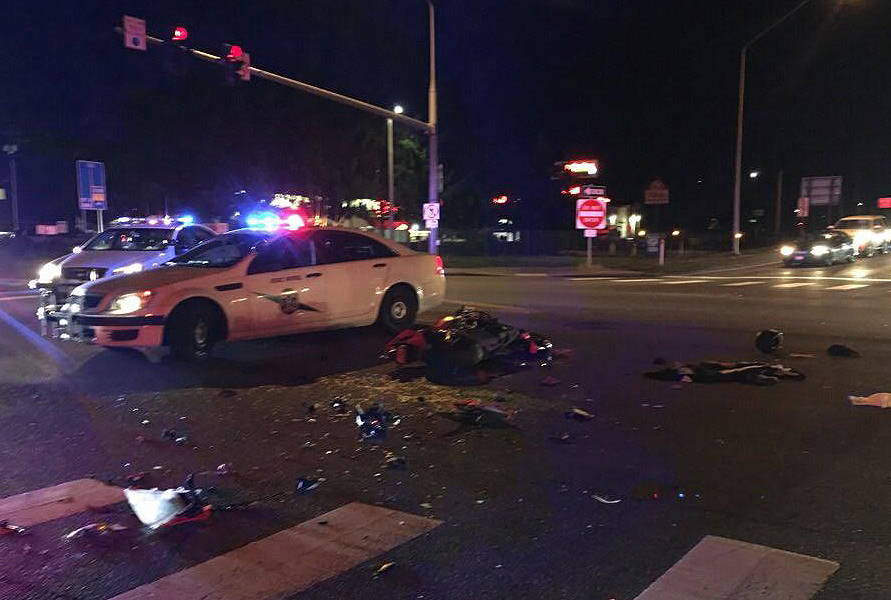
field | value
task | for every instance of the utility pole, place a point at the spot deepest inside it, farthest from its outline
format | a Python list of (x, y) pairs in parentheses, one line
[(433, 149), (779, 210), (390, 184), (10, 150)]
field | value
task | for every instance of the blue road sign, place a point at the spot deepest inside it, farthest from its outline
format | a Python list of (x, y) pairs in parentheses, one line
[(91, 185)]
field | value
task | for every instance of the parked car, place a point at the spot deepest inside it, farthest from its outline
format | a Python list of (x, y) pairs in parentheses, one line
[(252, 284)]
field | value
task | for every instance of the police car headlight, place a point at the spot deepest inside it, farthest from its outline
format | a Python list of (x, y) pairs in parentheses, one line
[(134, 268), (820, 250), (787, 250), (49, 272), (130, 302)]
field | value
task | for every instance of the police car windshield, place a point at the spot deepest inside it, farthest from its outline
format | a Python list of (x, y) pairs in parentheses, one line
[(131, 238), (223, 251)]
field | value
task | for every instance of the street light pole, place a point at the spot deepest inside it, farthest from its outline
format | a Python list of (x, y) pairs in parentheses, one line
[(390, 185), (10, 150), (433, 148), (737, 165)]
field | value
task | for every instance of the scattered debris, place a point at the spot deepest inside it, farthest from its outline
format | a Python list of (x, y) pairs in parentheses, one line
[(95, 529), (563, 438), (224, 469), (374, 422), (306, 484), (769, 340), (550, 381), (842, 351), (157, 508), (605, 500), (394, 461), (169, 434), (339, 406), (7, 528), (474, 413), (181, 440), (758, 373), (880, 399), (426, 505), (384, 568), (578, 414), (146, 422), (135, 478)]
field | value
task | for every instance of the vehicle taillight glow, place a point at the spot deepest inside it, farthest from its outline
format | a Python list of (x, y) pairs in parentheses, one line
[(440, 268)]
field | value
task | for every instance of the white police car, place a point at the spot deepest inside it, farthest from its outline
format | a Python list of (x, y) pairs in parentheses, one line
[(252, 284), (125, 248)]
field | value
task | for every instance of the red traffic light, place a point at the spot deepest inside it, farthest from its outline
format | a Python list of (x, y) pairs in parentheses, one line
[(235, 52), (499, 200), (180, 34)]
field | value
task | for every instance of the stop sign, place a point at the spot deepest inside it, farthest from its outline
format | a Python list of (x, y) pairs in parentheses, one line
[(590, 213)]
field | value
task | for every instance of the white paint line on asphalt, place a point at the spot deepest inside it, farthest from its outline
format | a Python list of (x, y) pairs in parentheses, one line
[(742, 283), (292, 560), (633, 280), (683, 282), (795, 284), (503, 307), (531, 274), (789, 277), (22, 297), (850, 286), (723, 569), (55, 502)]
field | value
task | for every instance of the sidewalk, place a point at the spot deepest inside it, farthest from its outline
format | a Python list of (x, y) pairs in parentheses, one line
[(604, 266)]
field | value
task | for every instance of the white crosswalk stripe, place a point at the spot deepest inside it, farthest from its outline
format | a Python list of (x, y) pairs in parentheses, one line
[(741, 283)]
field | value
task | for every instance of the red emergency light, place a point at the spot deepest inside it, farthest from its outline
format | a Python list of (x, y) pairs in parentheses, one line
[(499, 200), (235, 52), (180, 34)]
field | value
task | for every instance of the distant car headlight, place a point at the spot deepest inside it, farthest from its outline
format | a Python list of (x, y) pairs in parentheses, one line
[(134, 268), (820, 250), (49, 272), (130, 302), (787, 250)]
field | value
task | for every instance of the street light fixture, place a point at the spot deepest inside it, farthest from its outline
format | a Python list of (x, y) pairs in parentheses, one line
[(737, 171), (754, 174), (398, 109)]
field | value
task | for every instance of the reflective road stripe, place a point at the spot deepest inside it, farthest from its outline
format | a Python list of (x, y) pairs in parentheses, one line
[(291, 560), (741, 283), (793, 285), (722, 569), (850, 286)]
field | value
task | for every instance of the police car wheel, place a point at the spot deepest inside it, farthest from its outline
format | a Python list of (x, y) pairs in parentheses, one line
[(398, 310), (193, 333)]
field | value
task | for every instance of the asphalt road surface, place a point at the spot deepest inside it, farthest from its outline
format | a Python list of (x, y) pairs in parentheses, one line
[(792, 466)]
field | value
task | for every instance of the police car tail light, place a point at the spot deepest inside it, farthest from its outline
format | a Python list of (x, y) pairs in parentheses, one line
[(130, 302)]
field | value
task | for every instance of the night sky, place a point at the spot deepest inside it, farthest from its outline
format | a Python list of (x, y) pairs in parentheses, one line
[(648, 88)]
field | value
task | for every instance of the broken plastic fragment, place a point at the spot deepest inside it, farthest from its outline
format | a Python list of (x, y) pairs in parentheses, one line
[(578, 414), (880, 399), (384, 568), (8, 528), (97, 528), (306, 484)]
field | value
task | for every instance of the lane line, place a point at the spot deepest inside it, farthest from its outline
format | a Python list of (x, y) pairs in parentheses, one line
[(22, 297), (723, 569), (292, 560), (530, 274), (796, 284), (772, 277), (504, 307), (683, 282), (55, 502), (850, 286), (634, 280), (742, 283)]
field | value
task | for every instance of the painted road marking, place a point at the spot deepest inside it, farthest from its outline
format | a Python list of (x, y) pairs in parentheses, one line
[(503, 307), (684, 281), (531, 274), (850, 286), (795, 284), (292, 560), (63, 500), (786, 277), (723, 569), (631, 280), (22, 297), (741, 283), (739, 268)]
